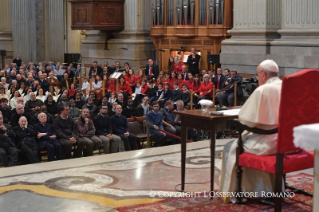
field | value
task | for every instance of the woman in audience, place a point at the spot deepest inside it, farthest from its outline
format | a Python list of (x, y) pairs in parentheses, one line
[(104, 102), (141, 75), (161, 78), (3, 94), (167, 78), (11, 91), (132, 78), (51, 106), (173, 80), (125, 75), (52, 93), (124, 87), (180, 81), (86, 94), (109, 86), (96, 101), (97, 83), (72, 90), (112, 98), (40, 95), (26, 97), (171, 64), (197, 84), (85, 84), (13, 100), (190, 81), (21, 89), (5, 84)]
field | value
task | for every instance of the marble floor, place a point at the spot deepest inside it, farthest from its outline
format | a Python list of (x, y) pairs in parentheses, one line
[(104, 182)]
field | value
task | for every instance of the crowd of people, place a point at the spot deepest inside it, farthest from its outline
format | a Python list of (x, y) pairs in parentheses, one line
[(45, 106)]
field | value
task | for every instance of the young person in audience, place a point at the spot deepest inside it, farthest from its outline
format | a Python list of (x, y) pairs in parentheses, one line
[(93, 95), (104, 131), (7, 145), (159, 91), (85, 84), (120, 128), (167, 78), (71, 91), (166, 94), (132, 78), (169, 121), (171, 64), (161, 78), (124, 87), (186, 95), (190, 81), (176, 93), (180, 81), (155, 117), (144, 107), (112, 98), (64, 100), (67, 133), (152, 89), (47, 138), (25, 140), (141, 75), (74, 111), (97, 83), (87, 133), (173, 80)]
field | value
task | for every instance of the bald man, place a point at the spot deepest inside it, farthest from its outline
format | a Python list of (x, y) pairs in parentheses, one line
[(16, 116), (25, 139)]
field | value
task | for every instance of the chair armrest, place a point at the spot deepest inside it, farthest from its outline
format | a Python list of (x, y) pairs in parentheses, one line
[(235, 124)]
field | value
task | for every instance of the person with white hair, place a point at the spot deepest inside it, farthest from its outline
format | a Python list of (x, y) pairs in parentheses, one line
[(4, 82), (33, 104), (261, 110)]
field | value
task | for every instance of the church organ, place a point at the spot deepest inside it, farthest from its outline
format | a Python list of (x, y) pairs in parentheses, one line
[(201, 24)]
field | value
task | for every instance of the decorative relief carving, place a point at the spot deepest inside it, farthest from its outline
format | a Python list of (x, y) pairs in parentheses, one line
[(109, 14), (165, 41), (193, 42), (208, 42)]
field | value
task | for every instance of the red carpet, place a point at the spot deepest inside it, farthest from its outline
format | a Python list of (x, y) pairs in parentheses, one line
[(297, 203)]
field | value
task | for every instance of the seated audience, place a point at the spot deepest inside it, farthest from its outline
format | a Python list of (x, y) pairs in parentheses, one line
[(33, 104), (144, 107), (104, 131), (155, 117), (5, 110), (169, 121), (89, 105), (120, 128), (87, 133), (176, 93), (14, 120), (74, 111), (129, 111), (67, 133)]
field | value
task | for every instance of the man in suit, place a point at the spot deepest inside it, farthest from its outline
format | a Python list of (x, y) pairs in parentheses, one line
[(66, 82), (117, 67), (17, 60), (47, 138), (219, 79), (98, 69), (151, 70), (193, 62), (184, 72)]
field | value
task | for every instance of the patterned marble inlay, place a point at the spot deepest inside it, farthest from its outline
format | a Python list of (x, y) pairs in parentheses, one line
[(127, 178)]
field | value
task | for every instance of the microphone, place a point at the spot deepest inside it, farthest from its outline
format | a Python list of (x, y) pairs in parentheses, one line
[(161, 50)]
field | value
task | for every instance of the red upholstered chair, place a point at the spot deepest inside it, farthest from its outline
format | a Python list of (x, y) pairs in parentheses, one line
[(299, 105)]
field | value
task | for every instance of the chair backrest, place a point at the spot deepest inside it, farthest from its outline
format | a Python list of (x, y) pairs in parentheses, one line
[(140, 119), (130, 119), (299, 105), (135, 128)]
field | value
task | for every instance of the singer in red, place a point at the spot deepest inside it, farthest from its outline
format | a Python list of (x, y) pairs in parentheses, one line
[(178, 65)]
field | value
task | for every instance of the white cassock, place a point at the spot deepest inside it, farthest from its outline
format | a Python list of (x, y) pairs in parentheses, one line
[(261, 110)]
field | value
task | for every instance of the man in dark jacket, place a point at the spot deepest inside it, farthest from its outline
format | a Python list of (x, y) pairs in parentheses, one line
[(47, 138), (25, 140), (129, 111), (143, 108), (151, 70), (14, 120), (67, 133), (193, 62), (5, 110), (176, 93), (7, 145), (103, 126), (120, 128)]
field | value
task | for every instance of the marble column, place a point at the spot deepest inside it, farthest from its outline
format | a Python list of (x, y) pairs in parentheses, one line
[(256, 23), (135, 38), (284, 30), (298, 46), (5, 30)]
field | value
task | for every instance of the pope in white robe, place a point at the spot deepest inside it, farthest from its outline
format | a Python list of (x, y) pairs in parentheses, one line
[(261, 110)]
